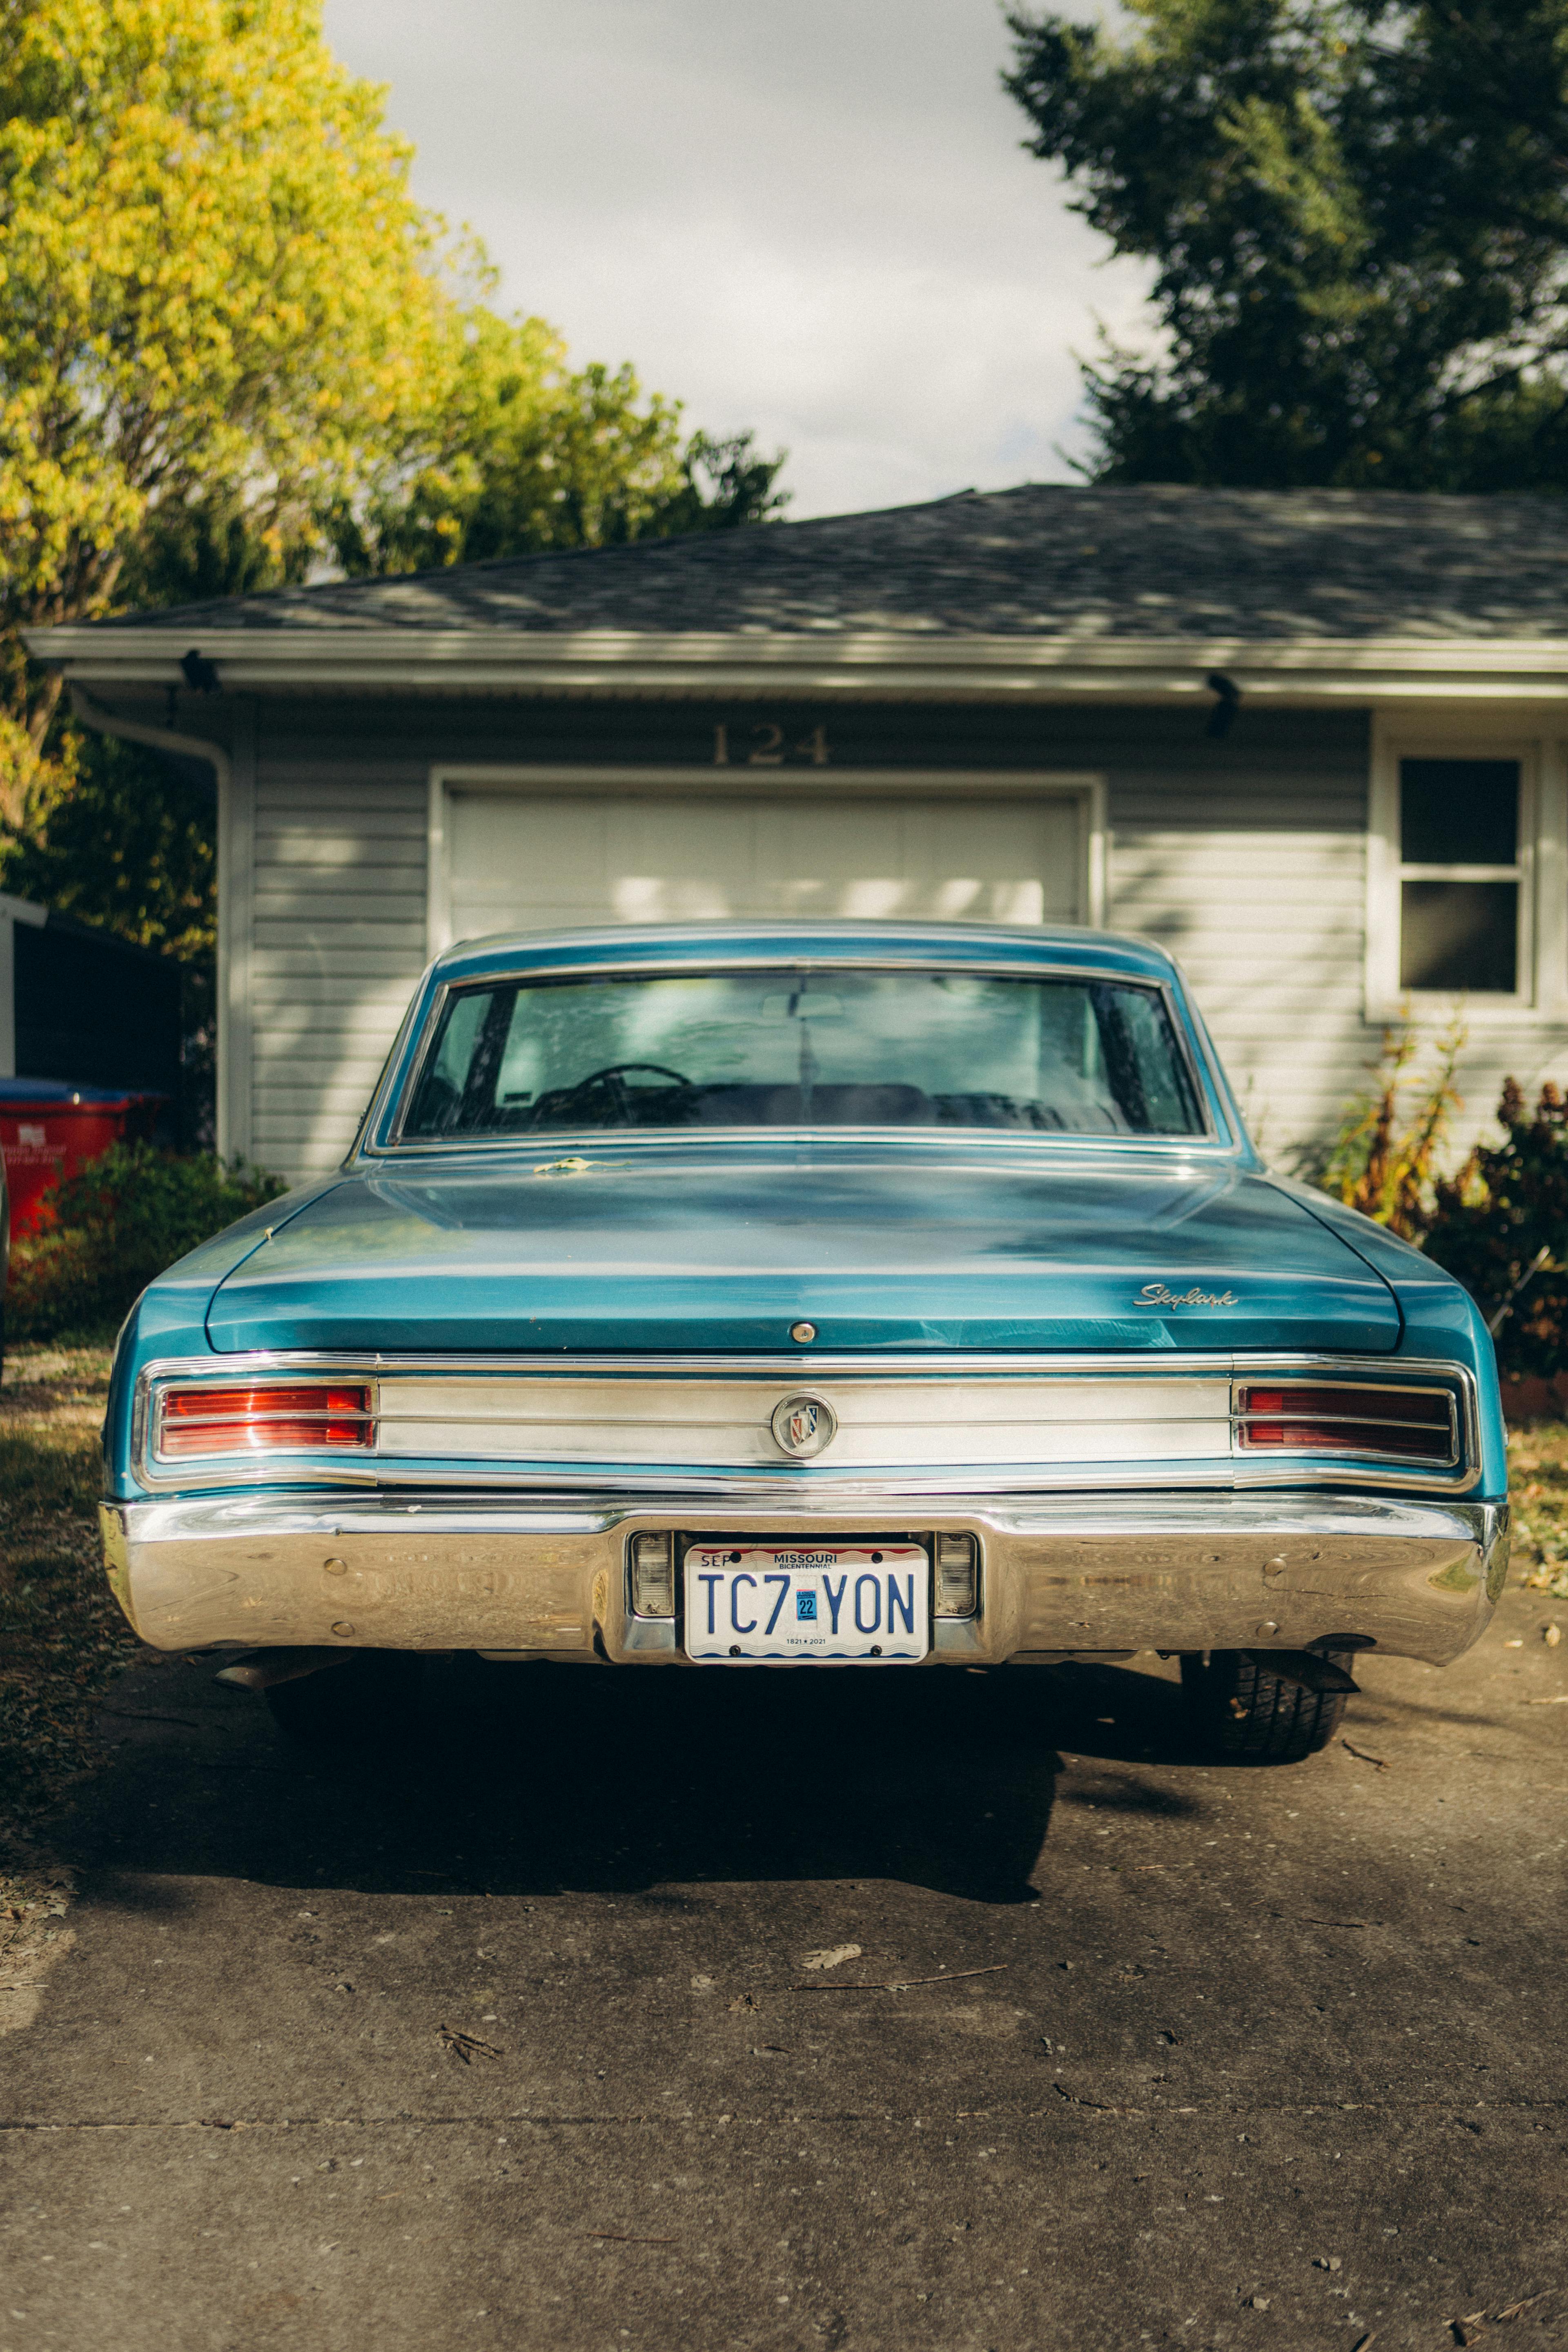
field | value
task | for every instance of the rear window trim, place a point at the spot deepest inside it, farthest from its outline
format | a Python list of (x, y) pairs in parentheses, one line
[(1206, 1090)]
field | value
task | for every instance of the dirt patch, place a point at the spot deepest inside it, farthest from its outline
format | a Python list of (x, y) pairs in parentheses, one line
[(62, 1638), (1537, 1480), (33, 1937)]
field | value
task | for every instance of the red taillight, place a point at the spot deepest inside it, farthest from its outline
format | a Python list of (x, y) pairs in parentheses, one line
[(1413, 1424), (265, 1419)]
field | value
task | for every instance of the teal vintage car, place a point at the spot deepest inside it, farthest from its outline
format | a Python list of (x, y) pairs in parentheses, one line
[(872, 1295)]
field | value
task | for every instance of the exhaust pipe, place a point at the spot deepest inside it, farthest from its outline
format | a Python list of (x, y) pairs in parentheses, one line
[(261, 1670)]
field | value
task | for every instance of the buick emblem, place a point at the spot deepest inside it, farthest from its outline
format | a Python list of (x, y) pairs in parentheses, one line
[(804, 1425)]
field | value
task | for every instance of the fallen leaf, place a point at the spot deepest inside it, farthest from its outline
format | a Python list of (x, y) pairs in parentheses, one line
[(1551, 1634), (832, 1956), (744, 2001)]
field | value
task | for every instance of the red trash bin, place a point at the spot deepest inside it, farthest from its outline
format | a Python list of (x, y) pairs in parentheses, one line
[(49, 1128)]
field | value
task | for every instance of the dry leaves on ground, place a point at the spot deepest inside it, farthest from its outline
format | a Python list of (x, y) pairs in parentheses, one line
[(62, 1638)]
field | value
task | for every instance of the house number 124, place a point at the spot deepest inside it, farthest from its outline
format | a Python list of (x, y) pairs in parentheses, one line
[(769, 749)]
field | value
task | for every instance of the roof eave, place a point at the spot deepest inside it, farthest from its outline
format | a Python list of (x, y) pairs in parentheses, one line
[(830, 664)]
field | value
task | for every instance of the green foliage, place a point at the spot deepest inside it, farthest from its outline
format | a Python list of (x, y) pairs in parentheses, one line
[(725, 483), (1357, 218), (520, 453), (1499, 1223), (1383, 1160), (1502, 1227), (117, 1225), (231, 341), (132, 847), (215, 273), (210, 544)]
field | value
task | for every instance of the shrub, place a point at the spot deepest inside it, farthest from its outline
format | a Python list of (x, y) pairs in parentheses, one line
[(1384, 1158), (117, 1224), (1501, 1225)]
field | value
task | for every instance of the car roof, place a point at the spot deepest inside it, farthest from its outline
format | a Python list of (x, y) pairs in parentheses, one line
[(646, 946)]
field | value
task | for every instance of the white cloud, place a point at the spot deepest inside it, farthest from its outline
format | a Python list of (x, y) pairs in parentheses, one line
[(813, 218)]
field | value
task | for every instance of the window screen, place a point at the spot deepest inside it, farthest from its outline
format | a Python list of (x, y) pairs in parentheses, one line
[(1459, 876)]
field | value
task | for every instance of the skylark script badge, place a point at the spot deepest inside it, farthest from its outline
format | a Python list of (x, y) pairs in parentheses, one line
[(1155, 1293)]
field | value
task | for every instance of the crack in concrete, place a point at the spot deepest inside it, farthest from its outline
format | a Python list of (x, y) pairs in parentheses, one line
[(546, 2121)]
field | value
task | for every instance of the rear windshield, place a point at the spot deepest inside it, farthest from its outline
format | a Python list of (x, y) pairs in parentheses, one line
[(789, 1049)]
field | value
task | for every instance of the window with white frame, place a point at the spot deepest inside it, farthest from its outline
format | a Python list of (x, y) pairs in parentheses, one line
[(1462, 905)]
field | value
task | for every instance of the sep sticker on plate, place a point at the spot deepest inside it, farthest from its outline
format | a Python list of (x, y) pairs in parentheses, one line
[(866, 1602)]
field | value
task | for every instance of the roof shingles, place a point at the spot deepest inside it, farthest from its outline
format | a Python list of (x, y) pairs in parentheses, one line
[(1063, 562)]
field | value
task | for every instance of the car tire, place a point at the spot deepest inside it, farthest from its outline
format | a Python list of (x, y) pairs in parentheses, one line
[(1238, 1710), (366, 1698)]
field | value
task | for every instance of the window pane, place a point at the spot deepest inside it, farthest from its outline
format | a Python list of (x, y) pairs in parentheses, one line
[(1459, 813), (792, 1048), (1459, 936)]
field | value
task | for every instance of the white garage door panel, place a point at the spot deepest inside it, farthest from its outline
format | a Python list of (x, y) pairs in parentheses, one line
[(533, 861)]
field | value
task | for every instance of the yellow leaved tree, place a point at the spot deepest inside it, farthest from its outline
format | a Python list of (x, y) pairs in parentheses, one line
[(231, 343), (517, 450), (212, 270)]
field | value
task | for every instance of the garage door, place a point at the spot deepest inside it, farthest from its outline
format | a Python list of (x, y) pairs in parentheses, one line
[(533, 860)]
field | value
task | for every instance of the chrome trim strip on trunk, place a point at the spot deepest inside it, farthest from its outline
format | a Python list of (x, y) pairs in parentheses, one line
[(704, 1422)]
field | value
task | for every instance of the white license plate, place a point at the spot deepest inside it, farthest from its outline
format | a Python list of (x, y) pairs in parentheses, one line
[(866, 1602)]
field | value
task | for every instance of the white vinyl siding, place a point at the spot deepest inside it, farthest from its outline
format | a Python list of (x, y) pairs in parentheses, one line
[(1268, 928), (337, 942)]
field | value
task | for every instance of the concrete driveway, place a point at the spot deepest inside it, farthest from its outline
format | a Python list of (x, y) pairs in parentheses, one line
[(516, 2033)]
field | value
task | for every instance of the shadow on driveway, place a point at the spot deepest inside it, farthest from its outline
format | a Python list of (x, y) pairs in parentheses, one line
[(533, 1779)]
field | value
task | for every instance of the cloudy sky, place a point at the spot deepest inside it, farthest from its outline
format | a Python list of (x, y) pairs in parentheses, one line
[(810, 216)]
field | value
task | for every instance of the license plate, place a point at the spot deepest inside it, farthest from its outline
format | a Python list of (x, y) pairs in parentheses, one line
[(864, 1603)]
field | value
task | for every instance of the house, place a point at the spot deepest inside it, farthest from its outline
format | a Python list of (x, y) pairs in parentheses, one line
[(1312, 742)]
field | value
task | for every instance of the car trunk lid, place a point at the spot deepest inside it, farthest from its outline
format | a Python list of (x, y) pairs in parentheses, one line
[(722, 1250)]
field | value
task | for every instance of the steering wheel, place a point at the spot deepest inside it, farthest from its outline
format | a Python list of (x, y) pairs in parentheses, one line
[(612, 1078)]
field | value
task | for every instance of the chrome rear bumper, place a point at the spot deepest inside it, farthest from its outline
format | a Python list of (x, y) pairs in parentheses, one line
[(546, 1575)]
